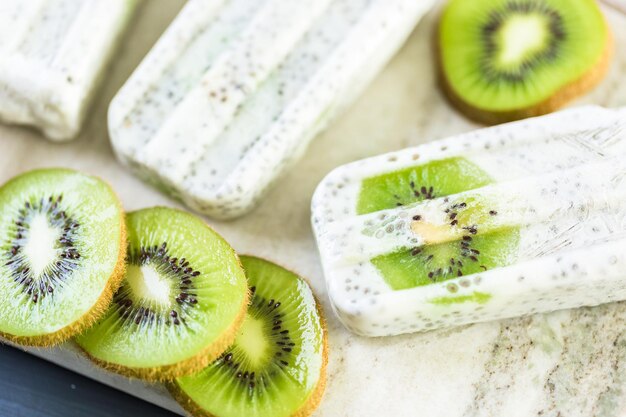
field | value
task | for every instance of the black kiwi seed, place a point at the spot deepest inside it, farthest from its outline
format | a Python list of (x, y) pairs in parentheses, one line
[(141, 313), (43, 285)]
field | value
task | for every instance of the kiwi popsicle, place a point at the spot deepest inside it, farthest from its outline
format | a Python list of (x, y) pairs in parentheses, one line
[(54, 53), (234, 91), (516, 219)]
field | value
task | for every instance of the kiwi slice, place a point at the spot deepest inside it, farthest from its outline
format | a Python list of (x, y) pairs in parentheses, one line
[(277, 365), (180, 304), (61, 256), (413, 267), (504, 60), (423, 182), (470, 253)]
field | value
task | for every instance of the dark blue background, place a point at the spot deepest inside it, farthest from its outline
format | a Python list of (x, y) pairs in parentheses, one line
[(32, 387)]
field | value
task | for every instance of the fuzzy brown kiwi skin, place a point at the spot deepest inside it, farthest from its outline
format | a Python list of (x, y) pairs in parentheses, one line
[(569, 92), (97, 310), (190, 365), (314, 400)]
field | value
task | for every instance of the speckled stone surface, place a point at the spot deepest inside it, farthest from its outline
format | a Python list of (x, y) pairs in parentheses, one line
[(568, 363)]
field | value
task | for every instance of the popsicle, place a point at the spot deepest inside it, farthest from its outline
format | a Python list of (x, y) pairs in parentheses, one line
[(234, 91), (516, 219), (53, 55)]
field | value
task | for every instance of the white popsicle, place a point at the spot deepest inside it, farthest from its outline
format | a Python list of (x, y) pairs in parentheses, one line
[(235, 90), (53, 55), (555, 198)]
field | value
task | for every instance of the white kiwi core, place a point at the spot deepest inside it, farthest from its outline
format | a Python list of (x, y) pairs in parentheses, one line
[(40, 248), (148, 284), (253, 341), (520, 37)]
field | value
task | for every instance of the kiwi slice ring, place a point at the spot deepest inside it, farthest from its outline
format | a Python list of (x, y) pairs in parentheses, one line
[(565, 90), (60, 263), (243, 373), (179, 306)]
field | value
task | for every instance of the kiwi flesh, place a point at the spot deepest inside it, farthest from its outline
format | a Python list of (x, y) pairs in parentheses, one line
[(181, 302), (471, 251), (505, 60), (61, 256), (422, 182), (277, 365)]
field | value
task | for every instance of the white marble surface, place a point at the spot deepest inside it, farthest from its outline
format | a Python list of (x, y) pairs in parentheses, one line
[(564, 364)]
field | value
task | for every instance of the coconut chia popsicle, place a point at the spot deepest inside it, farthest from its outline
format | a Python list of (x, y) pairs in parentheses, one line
[(512, 220), (53, 55), (235, 90)]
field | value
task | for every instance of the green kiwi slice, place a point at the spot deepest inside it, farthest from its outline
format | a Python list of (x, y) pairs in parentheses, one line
[(503, 60), (470, 253), (413, 267), (180, 304), (62, 237), (422, 182), (276, 367)]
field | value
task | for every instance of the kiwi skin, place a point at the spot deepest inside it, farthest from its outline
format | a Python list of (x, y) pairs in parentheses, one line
[(569, 92), (190, 365), (305, 410), (99, 308)]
